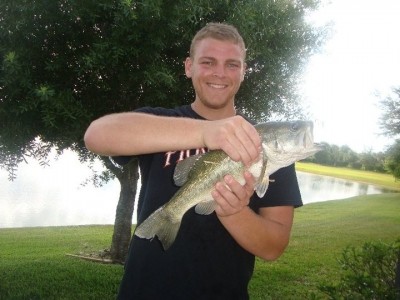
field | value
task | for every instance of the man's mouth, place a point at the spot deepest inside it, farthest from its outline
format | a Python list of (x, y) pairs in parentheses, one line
[(217, 86)]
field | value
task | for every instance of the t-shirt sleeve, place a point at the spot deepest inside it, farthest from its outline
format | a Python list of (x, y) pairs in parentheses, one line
[(121, 160), (283, 190)]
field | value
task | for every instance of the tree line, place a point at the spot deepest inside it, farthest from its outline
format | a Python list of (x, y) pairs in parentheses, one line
[(387, 161), (344, 156)]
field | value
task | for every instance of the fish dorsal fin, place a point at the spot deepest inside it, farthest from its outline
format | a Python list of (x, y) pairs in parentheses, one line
[(182, 169), (205, 208), (263, 181)]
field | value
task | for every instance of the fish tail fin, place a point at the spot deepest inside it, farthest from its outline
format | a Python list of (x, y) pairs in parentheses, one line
[(161, 225)]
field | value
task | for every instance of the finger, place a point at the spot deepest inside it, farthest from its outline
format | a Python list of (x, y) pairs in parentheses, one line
[(222, 208), (250, 183), (228, 198), (232, 150), (239, 146), (251, 140), (239, 191), (246, 141), (223, 137)]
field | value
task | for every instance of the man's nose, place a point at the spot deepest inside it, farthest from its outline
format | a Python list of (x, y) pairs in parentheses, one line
[(219, 70)]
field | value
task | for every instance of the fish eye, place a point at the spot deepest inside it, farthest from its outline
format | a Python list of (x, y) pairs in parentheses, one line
[(295, 126)]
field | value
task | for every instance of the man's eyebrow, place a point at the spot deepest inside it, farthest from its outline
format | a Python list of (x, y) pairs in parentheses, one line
[(229, 60), (234, 61), (207, 57)]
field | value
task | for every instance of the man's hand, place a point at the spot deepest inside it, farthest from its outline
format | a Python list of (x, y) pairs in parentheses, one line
[(231, 196), (235, 136)]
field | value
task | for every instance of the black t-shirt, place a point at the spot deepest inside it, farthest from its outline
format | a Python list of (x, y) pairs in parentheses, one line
[(204, 262)]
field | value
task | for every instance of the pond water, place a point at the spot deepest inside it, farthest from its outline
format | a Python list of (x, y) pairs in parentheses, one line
[(317, 188), (54, 196)]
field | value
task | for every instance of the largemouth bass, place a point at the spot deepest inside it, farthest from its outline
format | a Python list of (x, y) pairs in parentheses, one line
[(283, 143)]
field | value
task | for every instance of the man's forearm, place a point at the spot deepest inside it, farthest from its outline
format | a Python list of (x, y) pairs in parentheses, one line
[(261, 235), (138, 133)]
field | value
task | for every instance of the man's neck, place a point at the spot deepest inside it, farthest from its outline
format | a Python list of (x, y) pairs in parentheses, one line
[(212, 114)]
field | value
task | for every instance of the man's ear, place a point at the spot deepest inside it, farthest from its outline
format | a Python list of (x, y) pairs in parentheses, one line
[(188, 67)]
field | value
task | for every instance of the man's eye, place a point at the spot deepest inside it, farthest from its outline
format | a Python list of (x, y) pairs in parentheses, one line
[(233, 66)]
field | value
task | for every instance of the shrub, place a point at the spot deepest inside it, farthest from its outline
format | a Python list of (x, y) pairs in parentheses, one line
[(369, 272)]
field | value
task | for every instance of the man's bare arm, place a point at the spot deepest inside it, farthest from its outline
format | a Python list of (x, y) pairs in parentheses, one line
[(139, 133), (265, 234)]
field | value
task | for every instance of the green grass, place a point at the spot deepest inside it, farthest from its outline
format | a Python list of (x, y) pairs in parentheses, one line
[(33, 264), (320, 233), (384, 180)]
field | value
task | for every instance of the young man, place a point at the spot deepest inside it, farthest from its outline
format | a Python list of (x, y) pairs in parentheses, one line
[(213, 255)]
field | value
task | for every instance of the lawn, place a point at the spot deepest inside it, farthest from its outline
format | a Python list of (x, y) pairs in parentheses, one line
[(320, 233), (34, 264)]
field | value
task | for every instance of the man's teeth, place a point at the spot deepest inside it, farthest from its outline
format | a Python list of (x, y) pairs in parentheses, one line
[(217, 86)]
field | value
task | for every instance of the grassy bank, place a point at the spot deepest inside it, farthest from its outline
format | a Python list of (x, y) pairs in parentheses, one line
[(33, 264), (320, 233), (384, 180)]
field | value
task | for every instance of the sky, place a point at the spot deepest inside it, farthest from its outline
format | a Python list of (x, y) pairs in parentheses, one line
[(361, 59)]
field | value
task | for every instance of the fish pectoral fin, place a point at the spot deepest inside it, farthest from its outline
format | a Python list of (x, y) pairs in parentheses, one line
[(261, 188), (159, 224), (205, 208), (183, 168), (263, 181)]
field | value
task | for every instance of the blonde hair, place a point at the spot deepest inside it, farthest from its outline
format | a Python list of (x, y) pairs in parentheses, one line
[(218, 31)]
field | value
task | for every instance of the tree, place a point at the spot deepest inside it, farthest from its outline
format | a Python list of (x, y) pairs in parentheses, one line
[(390, 124), (390, 120), (67, 62), (370, 161), (392, 162)]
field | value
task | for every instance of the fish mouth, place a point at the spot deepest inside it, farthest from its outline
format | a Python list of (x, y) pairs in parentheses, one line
[(308, 138), (308, 141)]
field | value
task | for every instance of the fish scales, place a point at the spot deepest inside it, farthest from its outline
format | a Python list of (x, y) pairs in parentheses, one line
[(283, 143)]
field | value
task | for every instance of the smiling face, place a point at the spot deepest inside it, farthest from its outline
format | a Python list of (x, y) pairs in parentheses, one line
[(217, 69)]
